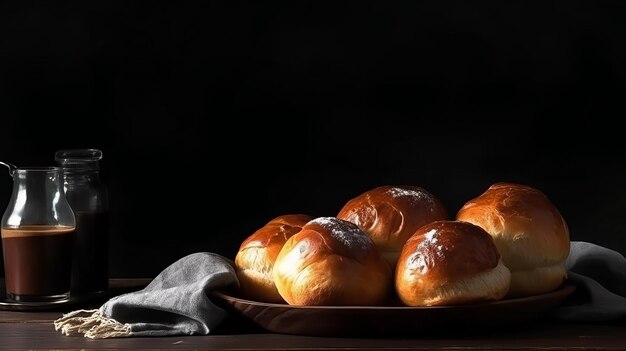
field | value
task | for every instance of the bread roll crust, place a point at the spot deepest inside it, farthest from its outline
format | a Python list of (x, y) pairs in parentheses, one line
[(529, 231), (256, 256), (450, 262), (391, 214), (331, 262)]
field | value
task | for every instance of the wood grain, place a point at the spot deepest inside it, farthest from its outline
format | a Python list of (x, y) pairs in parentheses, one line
[(540, 337)]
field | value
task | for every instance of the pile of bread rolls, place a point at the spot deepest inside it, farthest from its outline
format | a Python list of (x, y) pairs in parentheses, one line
[(397, 243)]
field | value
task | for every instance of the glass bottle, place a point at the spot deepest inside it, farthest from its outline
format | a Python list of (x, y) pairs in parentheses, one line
[(88, 197), (37, 237)]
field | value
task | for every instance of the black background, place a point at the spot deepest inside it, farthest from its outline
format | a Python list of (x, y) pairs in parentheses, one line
[(216, 116)]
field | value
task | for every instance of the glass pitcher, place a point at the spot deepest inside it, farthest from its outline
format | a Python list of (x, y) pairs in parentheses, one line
[(37, 237)]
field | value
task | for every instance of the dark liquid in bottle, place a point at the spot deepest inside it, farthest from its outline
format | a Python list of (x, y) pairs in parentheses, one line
[(90, 271), (37, 259)]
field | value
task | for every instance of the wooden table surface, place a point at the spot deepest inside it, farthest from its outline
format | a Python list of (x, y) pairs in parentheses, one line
[(34, 330)]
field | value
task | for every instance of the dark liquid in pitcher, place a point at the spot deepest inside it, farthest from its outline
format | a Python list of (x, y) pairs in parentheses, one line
[(37, 259), (90, 267)]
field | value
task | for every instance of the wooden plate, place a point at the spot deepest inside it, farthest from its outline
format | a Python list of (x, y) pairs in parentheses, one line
[(389, 321)]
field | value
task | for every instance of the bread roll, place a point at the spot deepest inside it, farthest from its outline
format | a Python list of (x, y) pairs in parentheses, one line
[(530, 233), (449, 263), (255, 260), (391, 214), (331, 262)]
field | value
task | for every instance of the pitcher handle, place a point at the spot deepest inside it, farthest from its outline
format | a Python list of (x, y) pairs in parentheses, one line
[(10, 166)]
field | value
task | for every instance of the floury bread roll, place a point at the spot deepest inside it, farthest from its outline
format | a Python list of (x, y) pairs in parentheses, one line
[(255, 260), (391, 214), (331, 262), (530, 233), (450, 263)]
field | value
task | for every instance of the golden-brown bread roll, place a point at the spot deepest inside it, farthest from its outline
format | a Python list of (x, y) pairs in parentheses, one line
[(449, 263), (530, 233), (331, 262), (391, 214), (255, 260)]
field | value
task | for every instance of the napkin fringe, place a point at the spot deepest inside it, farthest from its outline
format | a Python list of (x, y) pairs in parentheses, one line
[(92, 324)]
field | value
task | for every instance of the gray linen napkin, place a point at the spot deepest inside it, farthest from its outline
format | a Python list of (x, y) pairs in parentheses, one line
[(174, 303), (600, 277)]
